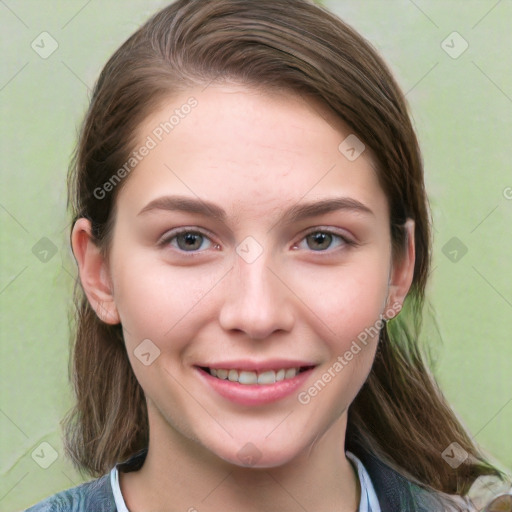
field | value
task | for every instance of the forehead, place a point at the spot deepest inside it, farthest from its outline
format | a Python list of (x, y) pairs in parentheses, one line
[(248, 150)]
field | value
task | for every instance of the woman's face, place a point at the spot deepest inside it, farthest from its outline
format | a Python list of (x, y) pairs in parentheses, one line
[(247, 241)]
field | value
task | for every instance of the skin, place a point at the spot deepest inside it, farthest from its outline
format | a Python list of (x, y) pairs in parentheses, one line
[(255, 154)]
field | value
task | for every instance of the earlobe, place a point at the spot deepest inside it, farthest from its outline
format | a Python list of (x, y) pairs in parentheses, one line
[(93, 271), (402, 271)]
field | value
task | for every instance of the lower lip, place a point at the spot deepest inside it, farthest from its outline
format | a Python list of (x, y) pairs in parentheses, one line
[(255, 394)]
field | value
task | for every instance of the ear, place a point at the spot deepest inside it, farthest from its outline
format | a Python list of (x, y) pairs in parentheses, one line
[(93, 271), (402, 271)]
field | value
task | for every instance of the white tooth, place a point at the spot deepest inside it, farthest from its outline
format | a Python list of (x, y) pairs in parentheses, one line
[(268, 377), (222, 374), (247, 377), (233, 375), (213, 372), (290, 373), (280, 375)]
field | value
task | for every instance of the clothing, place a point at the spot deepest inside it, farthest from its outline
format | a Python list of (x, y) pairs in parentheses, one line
[(393, 491), (369, 501)]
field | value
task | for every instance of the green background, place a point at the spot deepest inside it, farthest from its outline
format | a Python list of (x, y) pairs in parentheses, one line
[(462, 109)]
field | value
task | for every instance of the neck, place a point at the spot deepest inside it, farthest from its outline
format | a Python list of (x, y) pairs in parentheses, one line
[(180, 474)]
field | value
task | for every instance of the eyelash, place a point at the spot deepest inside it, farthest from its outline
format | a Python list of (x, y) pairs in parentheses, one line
[(167, 239)]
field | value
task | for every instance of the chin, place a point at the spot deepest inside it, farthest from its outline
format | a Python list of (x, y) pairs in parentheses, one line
[(258, 455)]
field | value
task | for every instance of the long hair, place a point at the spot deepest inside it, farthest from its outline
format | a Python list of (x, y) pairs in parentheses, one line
[(400, 413)]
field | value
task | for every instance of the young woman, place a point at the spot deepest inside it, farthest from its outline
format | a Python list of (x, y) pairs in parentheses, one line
[(249, 219)]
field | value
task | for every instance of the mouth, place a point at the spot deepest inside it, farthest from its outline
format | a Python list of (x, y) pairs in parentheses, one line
[(252, 377), (249, 383)]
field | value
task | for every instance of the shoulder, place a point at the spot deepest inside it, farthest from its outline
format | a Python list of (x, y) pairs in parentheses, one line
[(487, 494), (94, 495), (395, 492)]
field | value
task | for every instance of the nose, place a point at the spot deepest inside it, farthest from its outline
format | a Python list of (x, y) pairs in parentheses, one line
[(256, 301)]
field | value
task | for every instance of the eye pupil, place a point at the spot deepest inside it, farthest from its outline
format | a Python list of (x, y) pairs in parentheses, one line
[(187, 241), (322, 239)]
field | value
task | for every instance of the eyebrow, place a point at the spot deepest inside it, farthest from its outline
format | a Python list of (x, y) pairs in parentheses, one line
[(296, 213)]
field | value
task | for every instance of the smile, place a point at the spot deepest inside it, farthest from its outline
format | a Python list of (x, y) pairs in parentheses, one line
[(247, 377), (255, 384)]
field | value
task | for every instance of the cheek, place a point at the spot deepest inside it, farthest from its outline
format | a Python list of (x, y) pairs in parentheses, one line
[(345, 300), (154, 298)]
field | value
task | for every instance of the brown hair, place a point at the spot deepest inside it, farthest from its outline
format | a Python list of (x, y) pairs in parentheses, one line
[(400, 414)]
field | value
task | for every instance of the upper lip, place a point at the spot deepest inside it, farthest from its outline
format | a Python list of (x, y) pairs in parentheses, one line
[(247, 365)]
